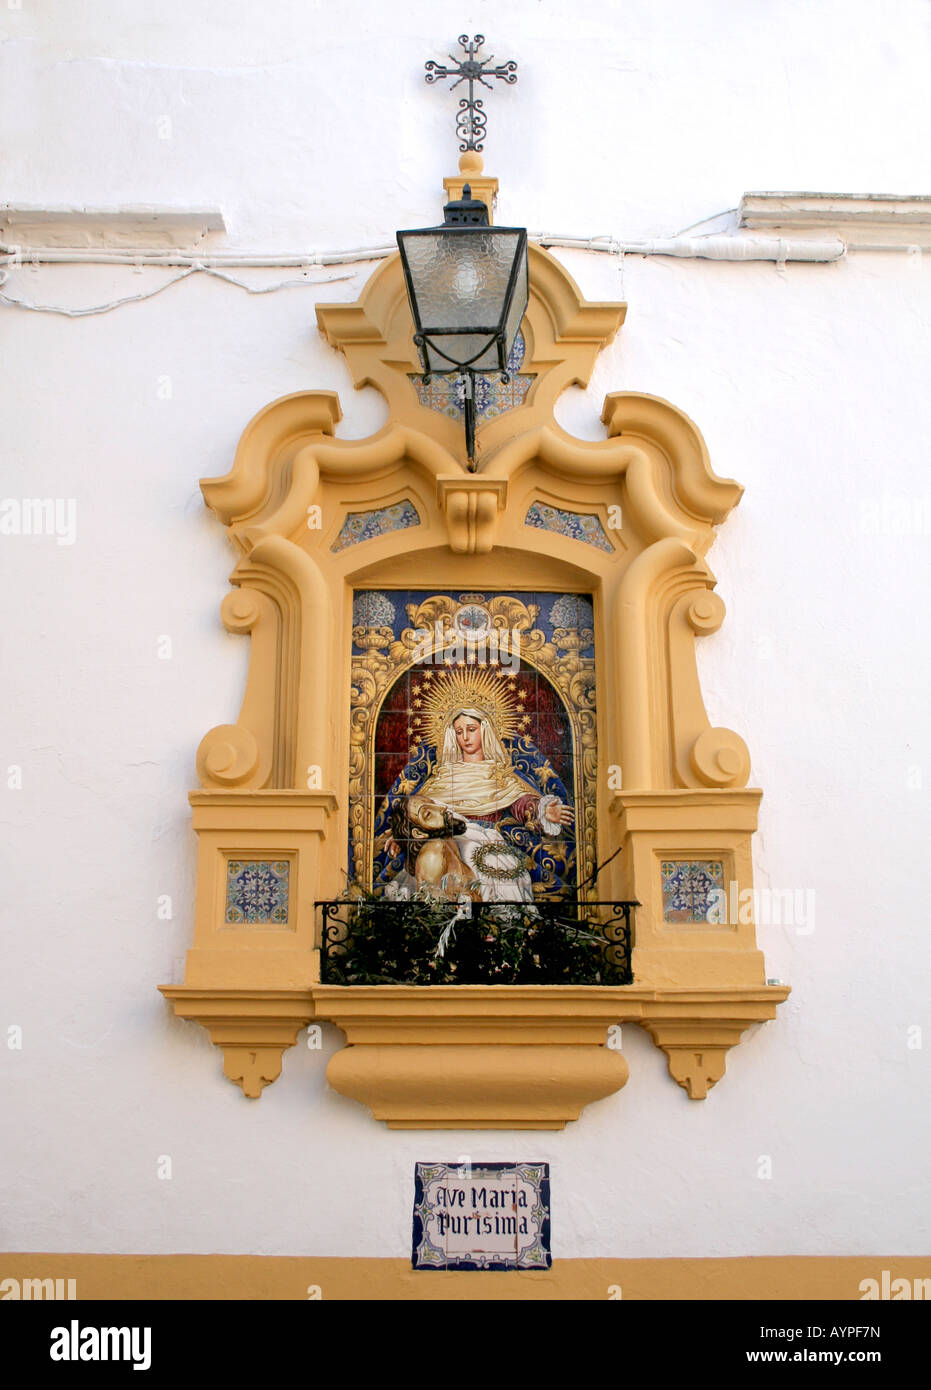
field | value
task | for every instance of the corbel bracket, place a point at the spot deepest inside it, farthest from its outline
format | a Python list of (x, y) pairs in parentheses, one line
[(252, 1026), (471, 506)]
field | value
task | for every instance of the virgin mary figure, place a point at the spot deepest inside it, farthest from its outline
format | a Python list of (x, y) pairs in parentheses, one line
[(509, 811)]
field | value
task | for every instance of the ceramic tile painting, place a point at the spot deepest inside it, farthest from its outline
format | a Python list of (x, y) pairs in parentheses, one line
[(473, 722)]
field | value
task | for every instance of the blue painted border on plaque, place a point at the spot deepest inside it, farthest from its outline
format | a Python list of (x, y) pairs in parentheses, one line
[(419, 1235)]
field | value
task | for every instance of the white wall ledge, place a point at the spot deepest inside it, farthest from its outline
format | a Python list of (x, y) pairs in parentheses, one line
[(859, 218), (120, 227)]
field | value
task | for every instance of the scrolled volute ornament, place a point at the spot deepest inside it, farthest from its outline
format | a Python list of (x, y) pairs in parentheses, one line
[(240, 610), (720, 758), (706, 613), (228, 756)]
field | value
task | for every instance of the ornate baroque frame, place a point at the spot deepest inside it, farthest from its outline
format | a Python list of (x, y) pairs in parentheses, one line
[(672, 789)]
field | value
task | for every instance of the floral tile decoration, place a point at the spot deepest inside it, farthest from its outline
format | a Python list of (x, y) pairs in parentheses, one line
[(365, 526), (578, 526), (257, 890), (492, 395), (372, 609), (492, 1216), (691, 888)]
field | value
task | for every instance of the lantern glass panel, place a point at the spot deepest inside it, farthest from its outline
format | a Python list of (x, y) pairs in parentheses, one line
[(461, 278), (439, 348)]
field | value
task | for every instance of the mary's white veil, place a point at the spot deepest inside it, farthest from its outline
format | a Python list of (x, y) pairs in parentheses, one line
[(492, 748)]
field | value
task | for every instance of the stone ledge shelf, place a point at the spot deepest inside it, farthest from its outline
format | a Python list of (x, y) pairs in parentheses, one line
[(520, 1056), (477, 1056)]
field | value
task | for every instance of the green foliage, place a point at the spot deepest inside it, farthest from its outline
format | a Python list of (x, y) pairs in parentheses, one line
[(419, 941)]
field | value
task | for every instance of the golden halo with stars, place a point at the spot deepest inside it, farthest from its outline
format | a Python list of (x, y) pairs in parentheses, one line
[(435, 695)]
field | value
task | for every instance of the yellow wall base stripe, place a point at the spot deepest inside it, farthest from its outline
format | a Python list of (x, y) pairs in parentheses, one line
[(296, 1277)]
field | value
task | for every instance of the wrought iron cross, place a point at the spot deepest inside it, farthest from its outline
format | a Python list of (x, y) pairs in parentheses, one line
[(471, 120)]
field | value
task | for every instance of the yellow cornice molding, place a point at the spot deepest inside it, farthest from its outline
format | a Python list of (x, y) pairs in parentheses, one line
[(288, 419), (574, 318), (581, 1011), (699, 491), (596, 461), (379, 456), (366, 460), (645, 810), (284, 798), (283, 808)]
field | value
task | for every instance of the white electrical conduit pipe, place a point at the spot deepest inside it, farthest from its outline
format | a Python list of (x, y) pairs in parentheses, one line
[(80, 255), (712, 248), (717, 248)]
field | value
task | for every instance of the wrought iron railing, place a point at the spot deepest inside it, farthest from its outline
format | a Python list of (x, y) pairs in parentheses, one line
[(380, 941)]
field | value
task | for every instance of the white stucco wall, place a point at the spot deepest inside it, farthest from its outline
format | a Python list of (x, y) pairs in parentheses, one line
[(310, 125)]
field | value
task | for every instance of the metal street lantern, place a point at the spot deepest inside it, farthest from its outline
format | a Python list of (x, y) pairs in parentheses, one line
[(467, 283)]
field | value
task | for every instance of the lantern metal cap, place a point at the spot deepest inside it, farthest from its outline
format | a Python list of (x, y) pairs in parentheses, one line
[(465, 211)]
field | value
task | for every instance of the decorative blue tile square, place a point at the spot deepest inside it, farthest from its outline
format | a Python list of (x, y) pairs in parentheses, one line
[(691, 888), (257, 890)]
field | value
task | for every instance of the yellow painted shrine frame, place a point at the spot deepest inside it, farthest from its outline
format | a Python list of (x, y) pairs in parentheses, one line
[(274, 783)]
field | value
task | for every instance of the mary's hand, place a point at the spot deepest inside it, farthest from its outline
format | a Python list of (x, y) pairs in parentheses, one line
[(554, 814)]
